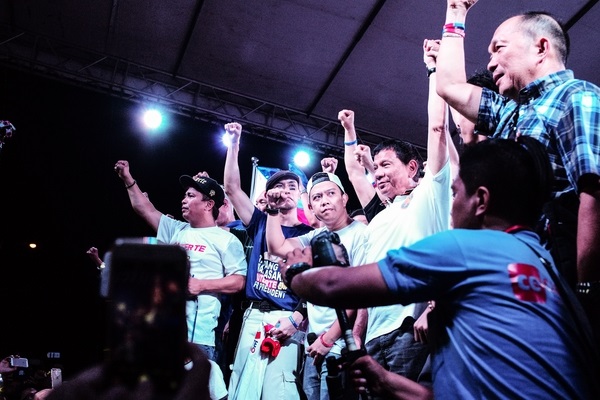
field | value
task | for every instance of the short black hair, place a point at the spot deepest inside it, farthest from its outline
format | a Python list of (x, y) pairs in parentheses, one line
[(405, 152), (483, 78), (518, 175)]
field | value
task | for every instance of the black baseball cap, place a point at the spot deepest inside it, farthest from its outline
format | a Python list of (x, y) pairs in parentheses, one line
[(279, 176), (205, 185)]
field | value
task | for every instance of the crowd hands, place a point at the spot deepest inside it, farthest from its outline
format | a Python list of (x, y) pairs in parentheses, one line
[(388, 180)]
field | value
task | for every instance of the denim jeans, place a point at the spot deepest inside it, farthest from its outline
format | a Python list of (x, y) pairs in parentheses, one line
[(209, 350), (315, 385), (398, 352)]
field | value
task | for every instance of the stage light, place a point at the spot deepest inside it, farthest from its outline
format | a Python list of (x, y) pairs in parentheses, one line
[(226, 139), (302, 158), (152, 118)]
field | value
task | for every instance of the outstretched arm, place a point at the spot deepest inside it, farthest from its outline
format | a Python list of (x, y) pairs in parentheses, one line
[(139, 201), (437, 114), (93, 254), (337, 287), (452, 83), (231, 180), (356, 172)]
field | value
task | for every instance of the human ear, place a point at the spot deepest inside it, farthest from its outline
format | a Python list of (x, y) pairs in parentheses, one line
[(483, 200)]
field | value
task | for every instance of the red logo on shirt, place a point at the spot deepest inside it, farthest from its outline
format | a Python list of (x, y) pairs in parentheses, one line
[(526, 283)]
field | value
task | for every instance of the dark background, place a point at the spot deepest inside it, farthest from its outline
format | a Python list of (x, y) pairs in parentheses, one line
[(58, 189)]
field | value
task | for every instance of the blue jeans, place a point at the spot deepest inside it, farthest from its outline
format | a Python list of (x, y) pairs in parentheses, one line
[(314, 381), (209, 350), (398, 352)]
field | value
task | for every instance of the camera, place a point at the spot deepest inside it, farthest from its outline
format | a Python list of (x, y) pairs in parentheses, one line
[(147, 330), (327, 249), (19, 362)]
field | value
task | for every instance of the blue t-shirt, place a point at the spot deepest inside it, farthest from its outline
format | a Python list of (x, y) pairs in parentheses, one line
[(500, 328), (263, 280)]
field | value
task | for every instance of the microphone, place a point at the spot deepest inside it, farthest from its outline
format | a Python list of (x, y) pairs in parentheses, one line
[(311, 337)]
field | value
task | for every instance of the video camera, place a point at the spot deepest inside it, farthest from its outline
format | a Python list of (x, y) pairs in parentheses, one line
[(327, 249)]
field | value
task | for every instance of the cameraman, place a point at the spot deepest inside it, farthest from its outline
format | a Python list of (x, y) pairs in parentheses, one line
[(505, 324), (327, 201)]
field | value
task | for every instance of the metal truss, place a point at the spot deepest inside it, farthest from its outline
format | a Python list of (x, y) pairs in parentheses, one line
[(124, 79)]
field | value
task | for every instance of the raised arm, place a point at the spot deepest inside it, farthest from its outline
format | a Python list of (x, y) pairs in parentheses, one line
[(231, 179), (329, 164), (452, 83), (356, 172), (277, 244), (437, 114), (139, 201), (308, 213), (95, 257)]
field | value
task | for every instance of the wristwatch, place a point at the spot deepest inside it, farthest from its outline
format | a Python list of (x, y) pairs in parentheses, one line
[(272, 211), (294, 270)]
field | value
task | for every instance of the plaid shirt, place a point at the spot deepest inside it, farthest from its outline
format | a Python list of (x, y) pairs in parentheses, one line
[(561, 112)]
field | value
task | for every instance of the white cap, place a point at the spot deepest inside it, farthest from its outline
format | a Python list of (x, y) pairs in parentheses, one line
[(324, 177)]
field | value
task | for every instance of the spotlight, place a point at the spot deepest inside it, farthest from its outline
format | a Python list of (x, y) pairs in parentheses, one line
[(301, 159), (152, 118), (226, 139)]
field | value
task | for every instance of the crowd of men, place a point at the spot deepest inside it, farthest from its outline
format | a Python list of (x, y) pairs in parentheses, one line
[(475, 274)]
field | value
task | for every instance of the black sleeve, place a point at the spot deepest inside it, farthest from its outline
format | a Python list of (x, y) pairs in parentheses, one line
[(373, 208)]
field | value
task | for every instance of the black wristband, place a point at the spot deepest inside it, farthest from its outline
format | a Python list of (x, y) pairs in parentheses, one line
[(301, 308), (132, 184), (294, 270), (272, 211), (430, 71)]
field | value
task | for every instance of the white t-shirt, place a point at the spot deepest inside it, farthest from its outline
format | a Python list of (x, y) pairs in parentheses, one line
[(423, 212), (213, 253), (320, 318)]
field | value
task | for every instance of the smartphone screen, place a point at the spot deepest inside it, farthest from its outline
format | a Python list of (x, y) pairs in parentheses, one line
[(147, 334)]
